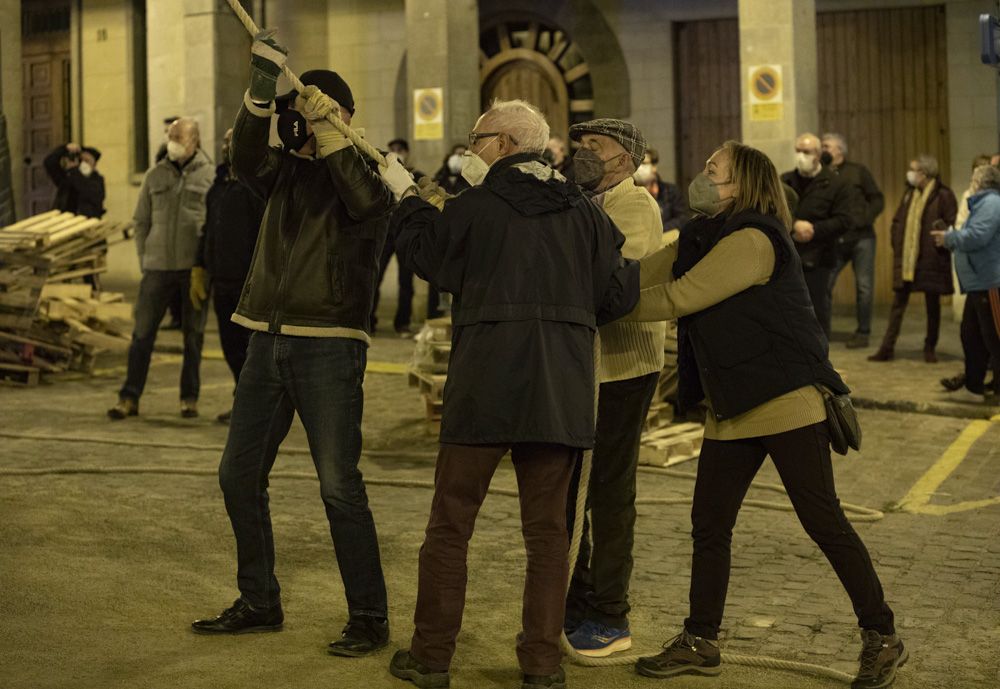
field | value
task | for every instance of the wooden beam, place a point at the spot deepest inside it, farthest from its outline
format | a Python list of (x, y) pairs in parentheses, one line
[(581, 70)]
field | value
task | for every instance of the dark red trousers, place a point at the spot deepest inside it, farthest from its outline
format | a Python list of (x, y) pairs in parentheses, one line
[(461, 480)]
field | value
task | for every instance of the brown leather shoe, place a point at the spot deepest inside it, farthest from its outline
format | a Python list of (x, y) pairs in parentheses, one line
[(125, 407), (930, 357), (883, 354)]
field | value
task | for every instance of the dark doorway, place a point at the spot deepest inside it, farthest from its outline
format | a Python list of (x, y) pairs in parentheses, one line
[(45, 51)]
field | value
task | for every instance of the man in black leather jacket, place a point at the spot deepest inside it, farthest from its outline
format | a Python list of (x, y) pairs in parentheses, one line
[(308, 299)]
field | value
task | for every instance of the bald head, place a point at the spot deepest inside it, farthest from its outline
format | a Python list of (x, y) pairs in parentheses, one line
[(807, 148), (808, 143), (183, 132)]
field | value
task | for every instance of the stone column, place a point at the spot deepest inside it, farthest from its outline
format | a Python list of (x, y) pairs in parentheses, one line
[(782, 33), (217, 69), (442, 50)]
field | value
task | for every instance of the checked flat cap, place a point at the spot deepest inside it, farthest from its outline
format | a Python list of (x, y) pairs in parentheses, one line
[(625, 133)]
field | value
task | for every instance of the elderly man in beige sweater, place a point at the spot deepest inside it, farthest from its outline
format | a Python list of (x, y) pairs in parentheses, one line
[(632, 356)]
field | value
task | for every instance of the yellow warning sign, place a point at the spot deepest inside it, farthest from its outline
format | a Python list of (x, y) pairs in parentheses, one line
[(766, 95), (428, 114)]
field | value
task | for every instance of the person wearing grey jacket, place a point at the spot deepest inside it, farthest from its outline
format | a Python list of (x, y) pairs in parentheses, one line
[(168, 218)]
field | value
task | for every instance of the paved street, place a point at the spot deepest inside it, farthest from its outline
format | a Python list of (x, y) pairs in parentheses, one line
[(102, 572)]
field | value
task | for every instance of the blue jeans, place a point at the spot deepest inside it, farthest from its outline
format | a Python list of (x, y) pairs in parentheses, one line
[(321, 379), (157, 290), (861, 255)]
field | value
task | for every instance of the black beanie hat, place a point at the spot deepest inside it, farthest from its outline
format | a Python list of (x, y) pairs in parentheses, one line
[(328, 82)]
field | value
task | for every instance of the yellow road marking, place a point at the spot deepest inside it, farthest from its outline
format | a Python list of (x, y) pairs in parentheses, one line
[(389, 367), (919, 497)]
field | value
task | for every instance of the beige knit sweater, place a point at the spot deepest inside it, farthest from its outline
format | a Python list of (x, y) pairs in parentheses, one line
[(743, 259), (631, 349)]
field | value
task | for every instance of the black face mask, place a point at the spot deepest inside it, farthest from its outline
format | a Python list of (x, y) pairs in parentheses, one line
[(825, 158), (588, 168), (292, 130)]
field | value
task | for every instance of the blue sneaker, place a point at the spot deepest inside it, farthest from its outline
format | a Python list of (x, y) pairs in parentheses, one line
[(599, 640)]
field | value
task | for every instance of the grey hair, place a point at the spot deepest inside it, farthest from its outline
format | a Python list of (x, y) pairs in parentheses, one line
[(986, 177), (522, 121), (928, 164), (839, 138)]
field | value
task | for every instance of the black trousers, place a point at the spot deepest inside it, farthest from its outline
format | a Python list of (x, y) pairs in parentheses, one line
[(599, 587), (802, 457), (821, 293), (981, 338), (234, 337), (900, 299), (404, 304)]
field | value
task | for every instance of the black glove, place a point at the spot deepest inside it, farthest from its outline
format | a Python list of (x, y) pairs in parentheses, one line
[(266, 60)]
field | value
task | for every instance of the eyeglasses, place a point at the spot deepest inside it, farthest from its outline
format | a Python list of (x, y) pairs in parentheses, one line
[(476, 136)]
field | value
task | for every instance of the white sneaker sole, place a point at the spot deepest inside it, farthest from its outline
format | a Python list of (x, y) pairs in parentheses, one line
[(614, 647)]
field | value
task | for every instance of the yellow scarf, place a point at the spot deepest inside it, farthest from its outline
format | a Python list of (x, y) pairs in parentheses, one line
[(911, 233)]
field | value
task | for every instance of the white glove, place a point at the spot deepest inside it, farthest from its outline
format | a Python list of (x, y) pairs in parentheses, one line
[(396, 177)]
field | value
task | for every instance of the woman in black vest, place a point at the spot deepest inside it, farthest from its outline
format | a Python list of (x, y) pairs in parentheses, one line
[(752, 350)]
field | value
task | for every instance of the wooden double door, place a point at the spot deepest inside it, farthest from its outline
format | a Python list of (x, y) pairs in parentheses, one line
[(46, 107), (882, 83)]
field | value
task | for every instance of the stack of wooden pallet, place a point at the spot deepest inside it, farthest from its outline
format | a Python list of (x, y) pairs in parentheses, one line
[(665, 442), (49, 320), (429, 369)]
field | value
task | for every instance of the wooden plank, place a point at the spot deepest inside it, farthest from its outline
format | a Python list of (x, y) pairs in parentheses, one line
[(77, 273), (16, 374), (429, 383), (9, 337), (61, 290), (88, 336), (115, 311), (31, 221)]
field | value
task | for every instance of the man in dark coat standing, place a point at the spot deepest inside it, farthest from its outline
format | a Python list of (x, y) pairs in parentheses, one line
[(918, 264), (828, 207), (856, 246), (534, 268), (225, 252), (308, 299)]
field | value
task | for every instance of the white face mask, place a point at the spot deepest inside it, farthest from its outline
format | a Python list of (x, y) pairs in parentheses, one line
[(645, 174), (911, 178), (86, 169), (176, 150), (806, 164), (455, 163), (474, 168)]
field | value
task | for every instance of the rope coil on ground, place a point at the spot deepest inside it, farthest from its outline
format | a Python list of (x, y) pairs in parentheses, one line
[(332, 118), (868, 514)]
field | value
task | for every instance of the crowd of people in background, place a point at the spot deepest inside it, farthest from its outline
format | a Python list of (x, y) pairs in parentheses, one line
[(835, 202)]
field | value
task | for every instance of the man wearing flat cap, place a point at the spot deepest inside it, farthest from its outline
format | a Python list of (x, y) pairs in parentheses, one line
[(308, 299), (632, 356)]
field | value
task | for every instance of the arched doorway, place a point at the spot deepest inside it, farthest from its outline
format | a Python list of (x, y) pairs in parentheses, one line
[(539, 63)]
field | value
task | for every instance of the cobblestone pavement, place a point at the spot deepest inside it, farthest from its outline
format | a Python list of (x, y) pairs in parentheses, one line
[(102, 573)]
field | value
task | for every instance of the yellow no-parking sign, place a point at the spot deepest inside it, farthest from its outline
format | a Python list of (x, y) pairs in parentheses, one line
[(766, 93), (428, 114)]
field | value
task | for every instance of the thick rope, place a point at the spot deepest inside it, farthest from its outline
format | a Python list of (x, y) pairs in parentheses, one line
[(751, 661), (574, 552), (862, 514), (333, 118)]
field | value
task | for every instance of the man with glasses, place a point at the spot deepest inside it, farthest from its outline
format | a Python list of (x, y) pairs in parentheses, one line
[(534, 267)]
